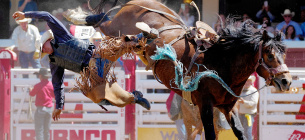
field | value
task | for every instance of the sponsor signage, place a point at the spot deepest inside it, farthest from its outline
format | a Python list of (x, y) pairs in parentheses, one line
[(158, 134), (170, 133), (73, 133), (283, 133), (297, 135)]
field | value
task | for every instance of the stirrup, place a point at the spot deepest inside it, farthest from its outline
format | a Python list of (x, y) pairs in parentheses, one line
[(150, 33)]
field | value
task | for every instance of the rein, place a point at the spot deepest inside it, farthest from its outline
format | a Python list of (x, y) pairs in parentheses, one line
[(272, 71), (250, 93), (113, 8)]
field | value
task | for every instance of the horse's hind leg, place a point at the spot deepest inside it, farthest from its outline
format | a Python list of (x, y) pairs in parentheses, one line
[(235, 124), (207, 121)]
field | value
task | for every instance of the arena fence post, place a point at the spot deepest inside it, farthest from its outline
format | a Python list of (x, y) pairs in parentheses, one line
[(130, 82), (7, 58)]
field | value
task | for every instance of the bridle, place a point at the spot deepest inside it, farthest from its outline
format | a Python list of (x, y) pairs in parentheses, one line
[(273, 72)]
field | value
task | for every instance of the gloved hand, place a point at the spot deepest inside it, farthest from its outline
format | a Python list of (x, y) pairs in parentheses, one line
[(18, 15)]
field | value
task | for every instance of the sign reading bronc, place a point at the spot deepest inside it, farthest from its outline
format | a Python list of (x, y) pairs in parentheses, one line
[(71, 134)]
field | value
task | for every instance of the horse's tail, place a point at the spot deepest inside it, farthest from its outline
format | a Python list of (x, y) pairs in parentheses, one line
[(99, 8)]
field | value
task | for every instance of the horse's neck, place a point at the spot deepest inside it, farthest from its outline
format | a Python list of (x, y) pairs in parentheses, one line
[(243, 68), (234, 68)]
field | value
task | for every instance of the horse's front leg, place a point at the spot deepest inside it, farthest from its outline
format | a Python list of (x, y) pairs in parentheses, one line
[(234, 122), (187, 119), (206, 112)]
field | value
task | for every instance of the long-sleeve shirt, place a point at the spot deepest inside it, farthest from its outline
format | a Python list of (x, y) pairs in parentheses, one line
[(61, 35), (303, 28), (26, 41), (250, 102), (298, 30), (44, 93), (260, 14)]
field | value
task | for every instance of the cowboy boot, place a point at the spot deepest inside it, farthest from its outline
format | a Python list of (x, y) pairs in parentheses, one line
[(140, 100)]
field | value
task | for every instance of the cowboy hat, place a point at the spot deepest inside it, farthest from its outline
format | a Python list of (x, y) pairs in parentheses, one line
[(45, 37), (43, 72), (288, 12), (28, 20)]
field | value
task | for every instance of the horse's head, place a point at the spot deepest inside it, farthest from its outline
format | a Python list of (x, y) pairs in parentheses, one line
[(271, 64)]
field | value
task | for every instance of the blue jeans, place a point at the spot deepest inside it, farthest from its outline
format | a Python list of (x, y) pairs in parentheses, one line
[(26, 58), (244, 123), (42, 118)]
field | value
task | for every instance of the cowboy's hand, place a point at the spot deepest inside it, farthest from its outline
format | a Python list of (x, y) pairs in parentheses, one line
[(56, 114), (18, 15)]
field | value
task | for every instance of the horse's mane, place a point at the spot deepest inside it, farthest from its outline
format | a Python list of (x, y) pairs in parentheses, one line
[(244, 38)]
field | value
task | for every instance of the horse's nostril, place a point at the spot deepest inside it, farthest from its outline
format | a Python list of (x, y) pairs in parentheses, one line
[(284, 81)]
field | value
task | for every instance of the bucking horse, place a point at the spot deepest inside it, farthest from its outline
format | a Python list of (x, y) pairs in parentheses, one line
[(211, 74)]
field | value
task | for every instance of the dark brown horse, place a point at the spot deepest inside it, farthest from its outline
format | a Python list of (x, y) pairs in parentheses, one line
[(238, 53)]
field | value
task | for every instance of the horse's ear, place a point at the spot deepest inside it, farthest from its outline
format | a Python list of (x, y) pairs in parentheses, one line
[(265, 36)]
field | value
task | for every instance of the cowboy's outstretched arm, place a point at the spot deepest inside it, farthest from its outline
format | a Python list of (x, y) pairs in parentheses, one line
[(57, 81), (61, 34)]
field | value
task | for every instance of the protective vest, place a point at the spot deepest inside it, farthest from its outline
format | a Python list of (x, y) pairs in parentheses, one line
[(70, 55)]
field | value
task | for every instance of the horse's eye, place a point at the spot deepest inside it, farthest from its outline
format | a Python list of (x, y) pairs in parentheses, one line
[(270, 57)]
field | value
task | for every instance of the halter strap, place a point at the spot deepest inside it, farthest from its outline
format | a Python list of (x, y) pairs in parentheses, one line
[(272, 71), (259, 55)]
